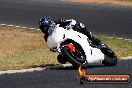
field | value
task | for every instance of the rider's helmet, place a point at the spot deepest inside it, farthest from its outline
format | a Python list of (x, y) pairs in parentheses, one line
[(44, 24)]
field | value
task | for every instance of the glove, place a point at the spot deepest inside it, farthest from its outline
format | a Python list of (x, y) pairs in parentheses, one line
[(54, 49)]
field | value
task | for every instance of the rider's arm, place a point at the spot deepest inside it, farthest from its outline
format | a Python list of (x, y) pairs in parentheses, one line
[(54, 49), (45, 37)]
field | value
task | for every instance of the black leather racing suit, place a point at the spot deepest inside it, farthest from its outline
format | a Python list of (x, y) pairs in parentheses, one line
[(77, 27)]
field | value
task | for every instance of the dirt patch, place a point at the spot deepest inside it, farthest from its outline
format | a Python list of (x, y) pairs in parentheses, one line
[(114, 2)]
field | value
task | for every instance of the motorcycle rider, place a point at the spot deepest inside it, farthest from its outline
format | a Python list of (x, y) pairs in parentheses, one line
[(79, 27), (47, 25)]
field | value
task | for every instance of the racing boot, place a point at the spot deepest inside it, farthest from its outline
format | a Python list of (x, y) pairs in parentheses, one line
[(61, 59)]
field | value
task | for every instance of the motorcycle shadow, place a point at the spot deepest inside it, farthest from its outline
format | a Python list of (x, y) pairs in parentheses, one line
[(71, 67)]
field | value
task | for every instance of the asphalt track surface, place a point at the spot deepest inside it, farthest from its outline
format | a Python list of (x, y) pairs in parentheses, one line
[(102, 19), (65, 77)]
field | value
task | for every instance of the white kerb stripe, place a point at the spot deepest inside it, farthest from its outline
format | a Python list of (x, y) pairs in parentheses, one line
[(21, 71)]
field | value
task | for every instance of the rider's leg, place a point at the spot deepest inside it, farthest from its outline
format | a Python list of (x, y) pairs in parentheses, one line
[(81, 28)]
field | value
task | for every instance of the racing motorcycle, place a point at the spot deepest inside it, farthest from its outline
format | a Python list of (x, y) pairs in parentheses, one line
[(77, 49)]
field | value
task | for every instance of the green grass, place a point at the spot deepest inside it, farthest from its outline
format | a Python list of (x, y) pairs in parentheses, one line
[(25, 48)]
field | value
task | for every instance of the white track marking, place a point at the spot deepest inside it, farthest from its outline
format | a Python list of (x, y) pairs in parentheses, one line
[(21, 71), (17, 26), (126, 58), (32, 28), (24, 27), (39, 29), (40, 69), (10, 25), (2, 24)]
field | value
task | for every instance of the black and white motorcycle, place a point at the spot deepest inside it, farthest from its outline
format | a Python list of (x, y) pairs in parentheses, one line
[(75, 48)]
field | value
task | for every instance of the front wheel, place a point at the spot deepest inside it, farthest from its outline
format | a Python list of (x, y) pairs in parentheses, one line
[(74, 53), (110, 57)]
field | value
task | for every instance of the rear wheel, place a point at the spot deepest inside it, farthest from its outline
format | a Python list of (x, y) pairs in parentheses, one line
[(74, 53)]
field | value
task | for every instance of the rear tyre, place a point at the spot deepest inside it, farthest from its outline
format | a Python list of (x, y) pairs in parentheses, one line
[(76, 58)]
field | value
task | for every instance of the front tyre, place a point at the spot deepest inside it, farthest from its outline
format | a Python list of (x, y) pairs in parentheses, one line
[(110, 57)]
